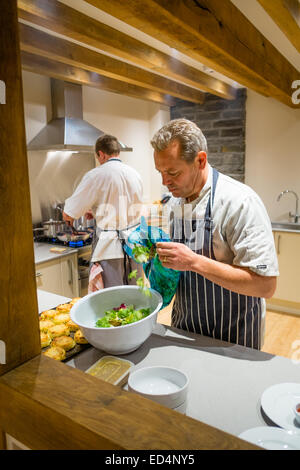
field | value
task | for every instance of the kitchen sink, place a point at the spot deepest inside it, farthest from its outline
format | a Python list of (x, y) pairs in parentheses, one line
[(290, 226)]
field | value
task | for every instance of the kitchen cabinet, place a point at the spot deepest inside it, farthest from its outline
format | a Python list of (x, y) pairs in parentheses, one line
[(287, 294), (69, 276), (59, 276)]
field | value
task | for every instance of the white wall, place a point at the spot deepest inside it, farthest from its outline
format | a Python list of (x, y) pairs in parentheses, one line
[(133, 121), (272, 152)]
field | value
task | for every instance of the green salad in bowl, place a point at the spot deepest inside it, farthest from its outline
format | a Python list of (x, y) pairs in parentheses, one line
[(122, 315)]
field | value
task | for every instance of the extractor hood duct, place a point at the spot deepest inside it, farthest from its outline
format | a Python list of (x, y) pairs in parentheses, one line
[(67, 130)]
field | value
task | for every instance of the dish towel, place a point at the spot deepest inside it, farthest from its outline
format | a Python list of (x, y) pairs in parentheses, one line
[(95, 278)]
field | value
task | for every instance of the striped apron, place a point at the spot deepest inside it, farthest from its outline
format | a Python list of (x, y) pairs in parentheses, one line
[(202, 307)]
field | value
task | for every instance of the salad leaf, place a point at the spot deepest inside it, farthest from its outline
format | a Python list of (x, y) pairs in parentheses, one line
[(133, 274), (145, 289), (122, 315), (142, 253)]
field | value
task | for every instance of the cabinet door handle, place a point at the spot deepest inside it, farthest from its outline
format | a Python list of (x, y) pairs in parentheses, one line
[(70, 272), (278, 244), (38, 274)]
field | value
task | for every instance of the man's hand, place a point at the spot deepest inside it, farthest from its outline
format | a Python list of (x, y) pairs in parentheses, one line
[(68, 219), (89, 215), (234, 278), (176, 255)]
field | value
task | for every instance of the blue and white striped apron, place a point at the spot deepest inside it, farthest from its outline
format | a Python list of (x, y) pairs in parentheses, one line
[(204, 307)]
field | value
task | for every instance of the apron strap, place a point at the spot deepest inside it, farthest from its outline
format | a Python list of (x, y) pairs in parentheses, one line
[(207, 244), (210, 204), (126, 260)]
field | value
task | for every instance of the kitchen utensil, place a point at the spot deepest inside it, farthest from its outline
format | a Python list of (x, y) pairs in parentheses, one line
[(119, 339), (272, 438), (165, 385), (278, 402)]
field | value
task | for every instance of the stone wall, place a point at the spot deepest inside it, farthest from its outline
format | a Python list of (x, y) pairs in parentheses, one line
[(223, 124)]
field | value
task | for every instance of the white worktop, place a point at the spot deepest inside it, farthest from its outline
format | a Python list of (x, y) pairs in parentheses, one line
[(226, 380), (42, 252), (47, 300)]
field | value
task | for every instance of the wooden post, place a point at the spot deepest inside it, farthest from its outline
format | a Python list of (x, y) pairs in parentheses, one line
[(19, 328), (2, 440)]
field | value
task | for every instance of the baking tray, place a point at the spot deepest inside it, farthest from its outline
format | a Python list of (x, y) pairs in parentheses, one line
[(77, 348)]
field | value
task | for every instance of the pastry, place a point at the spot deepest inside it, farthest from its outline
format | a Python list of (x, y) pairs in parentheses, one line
[(64, 308), (45, 325), (46, 339), (72, 326), (61, 318), (79, 338), (59, 330), (48, 314), (65, 342), (55, 352)]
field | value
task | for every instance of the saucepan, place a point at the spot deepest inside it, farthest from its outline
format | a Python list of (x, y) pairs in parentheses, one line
[(52, 227)]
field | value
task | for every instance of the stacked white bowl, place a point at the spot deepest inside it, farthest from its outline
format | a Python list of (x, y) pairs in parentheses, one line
[(165, 385)]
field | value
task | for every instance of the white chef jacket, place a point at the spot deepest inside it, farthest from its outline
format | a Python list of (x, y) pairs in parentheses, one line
[(114, 192)]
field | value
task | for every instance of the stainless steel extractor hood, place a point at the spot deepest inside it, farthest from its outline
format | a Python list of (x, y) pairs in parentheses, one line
[(67, 130)]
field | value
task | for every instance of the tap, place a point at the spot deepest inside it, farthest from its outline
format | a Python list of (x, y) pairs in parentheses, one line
[(296, 215)]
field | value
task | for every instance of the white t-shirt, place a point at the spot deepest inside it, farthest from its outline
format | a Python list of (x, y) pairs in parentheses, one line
[(242, 231), (114, 193)]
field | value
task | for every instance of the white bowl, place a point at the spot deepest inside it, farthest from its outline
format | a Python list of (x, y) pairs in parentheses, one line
[(297, 413), (118, 339), (181, 408), (165, 385)]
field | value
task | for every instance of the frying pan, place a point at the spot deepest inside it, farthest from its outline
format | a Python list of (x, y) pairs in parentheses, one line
[(71, 237)]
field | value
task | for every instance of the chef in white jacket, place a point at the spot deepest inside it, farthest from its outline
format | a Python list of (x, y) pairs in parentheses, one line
[(113, 192)]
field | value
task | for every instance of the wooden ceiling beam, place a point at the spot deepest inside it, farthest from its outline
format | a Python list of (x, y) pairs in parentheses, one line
[(55, 48), (61, 19), (215, 33), (51, 68), (286, 14)]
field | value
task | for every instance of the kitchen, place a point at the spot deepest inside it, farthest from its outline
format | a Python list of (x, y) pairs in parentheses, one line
[(270, 133)]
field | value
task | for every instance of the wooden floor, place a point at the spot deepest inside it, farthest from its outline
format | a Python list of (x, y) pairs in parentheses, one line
[(282, 334)]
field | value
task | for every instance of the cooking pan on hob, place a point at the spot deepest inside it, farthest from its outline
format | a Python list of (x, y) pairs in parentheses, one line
[(73, 237)]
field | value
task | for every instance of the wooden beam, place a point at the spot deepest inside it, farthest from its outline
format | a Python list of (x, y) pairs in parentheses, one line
[(286, 14), (19, 323), (68, 409), (64, 20), (52, 47), (217, 34), (44, 66)]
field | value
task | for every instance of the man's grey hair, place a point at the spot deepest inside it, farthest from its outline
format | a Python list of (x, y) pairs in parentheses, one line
[(186, 132)]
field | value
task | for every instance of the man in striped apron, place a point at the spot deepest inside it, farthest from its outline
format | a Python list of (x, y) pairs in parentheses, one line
[(221, 241)]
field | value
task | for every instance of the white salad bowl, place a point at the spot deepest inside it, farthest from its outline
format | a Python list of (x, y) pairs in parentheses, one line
[(118, 339), (165, 385)]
